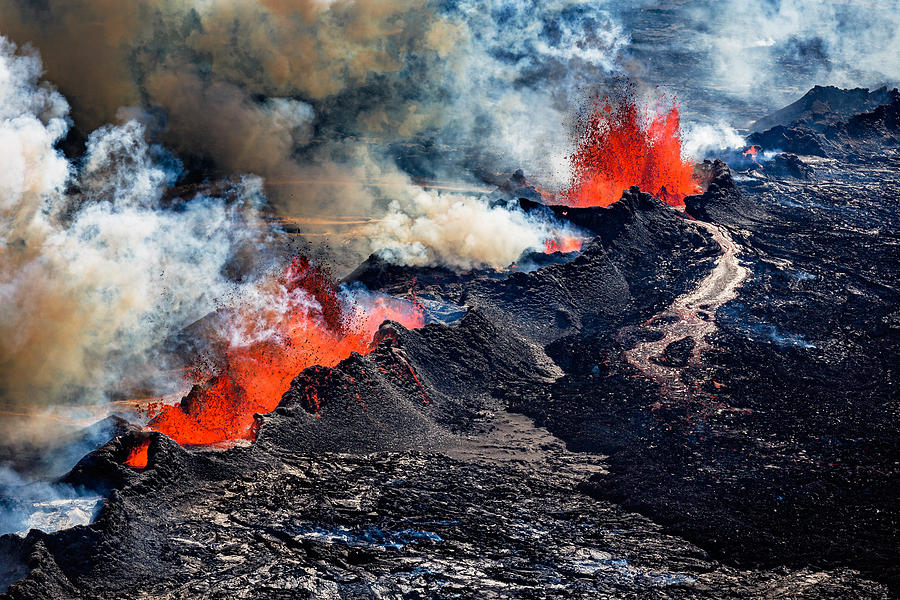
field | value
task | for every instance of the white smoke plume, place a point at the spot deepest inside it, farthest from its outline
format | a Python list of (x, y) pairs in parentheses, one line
[(95, 272), (324, 99), (702, 140), (776, 49), (464, 232)]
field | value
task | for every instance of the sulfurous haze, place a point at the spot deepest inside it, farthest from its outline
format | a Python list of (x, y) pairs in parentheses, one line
[(101, 266), (96, 271)]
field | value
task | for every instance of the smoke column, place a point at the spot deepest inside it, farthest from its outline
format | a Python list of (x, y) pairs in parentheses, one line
[(336, 104), (96, 272)]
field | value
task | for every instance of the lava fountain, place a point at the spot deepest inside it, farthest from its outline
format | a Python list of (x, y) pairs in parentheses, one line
[(295, 321), (620, 146)]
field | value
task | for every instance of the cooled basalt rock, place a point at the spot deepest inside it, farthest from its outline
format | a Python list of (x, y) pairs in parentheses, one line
[(823, 105), (870, 132), (788, 165)]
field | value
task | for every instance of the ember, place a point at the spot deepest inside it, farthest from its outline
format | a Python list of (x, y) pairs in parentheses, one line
[(618, 147), (137, 456), (300, 320)]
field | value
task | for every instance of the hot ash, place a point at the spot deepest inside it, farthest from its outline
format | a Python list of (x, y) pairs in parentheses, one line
[(618, 146), (300, 319)]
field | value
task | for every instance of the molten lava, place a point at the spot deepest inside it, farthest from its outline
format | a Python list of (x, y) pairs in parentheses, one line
[(137, 456), (563, 245), (619, 147), (297, 321), (752, 151)]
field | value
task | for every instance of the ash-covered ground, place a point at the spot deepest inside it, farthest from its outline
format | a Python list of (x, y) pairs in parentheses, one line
[(700, 403)]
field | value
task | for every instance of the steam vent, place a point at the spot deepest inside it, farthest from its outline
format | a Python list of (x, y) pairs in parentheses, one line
[(413, 299)]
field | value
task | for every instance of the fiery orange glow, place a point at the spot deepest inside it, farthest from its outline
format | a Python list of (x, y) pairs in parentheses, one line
[(563, 245), (137, 457), (301, 320), (752, 151), (619, 147)]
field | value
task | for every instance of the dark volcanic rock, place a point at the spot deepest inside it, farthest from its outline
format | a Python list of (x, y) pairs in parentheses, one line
[(796, 140), (757, 460), (723, 201), (677, 353), (788, 165), (787, 453), (860, 135), (823, 105)]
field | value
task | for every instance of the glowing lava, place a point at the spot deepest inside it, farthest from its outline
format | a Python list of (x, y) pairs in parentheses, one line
[(752, 151), (563, 245), (297, 321), (137, 456), (619, 147)]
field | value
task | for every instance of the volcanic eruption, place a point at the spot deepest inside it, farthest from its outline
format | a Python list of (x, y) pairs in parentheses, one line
[(298, 320), (621, 143), (281, 314)]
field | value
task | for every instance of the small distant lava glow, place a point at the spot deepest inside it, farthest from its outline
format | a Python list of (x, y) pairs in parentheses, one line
[(563, 245), (137, 456), (752, 151), (299, 320), (619, 147)]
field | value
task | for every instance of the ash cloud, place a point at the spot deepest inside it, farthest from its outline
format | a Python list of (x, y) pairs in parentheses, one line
[(99, 261), (319, 98), (96, 271)]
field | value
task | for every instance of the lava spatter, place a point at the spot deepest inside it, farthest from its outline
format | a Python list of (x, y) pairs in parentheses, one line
[(618, 147), (300, 320)]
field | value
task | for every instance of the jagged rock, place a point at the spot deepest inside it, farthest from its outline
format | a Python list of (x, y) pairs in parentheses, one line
[(679, 352), (771, 471), (837, 136), (825, 104), (788, 165)]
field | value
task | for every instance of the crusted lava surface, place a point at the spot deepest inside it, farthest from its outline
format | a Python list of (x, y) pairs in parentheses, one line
[(701, 403)]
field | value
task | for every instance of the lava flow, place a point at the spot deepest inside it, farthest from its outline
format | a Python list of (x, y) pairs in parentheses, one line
[(300, 320), (752, 151), (618, 147), (137, 457)]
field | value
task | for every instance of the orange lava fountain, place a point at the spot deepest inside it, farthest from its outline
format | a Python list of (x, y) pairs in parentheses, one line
[(298, 321), (752, 151), (619, 147)]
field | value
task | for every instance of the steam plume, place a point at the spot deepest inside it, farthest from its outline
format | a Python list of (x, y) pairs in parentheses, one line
[(95, 271), (309, 94)]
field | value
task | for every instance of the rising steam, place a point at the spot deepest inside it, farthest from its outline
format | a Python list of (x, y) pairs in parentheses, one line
[(95, 271), (307, 109), (325, 100), (775, 49), (103, 263)]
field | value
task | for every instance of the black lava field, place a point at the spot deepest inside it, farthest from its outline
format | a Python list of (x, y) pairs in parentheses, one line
[(701, 403)]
